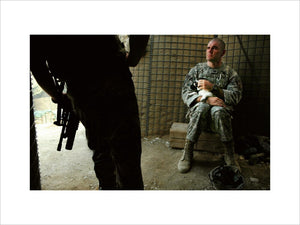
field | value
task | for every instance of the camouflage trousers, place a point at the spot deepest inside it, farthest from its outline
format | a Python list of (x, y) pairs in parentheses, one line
[(113, 133), (204, 117)]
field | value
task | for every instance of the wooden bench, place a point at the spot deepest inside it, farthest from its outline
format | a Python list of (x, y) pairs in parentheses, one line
[(209, 142)]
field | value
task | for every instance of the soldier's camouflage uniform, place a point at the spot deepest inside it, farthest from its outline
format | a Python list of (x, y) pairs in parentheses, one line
[(204, 117), (102, 92)]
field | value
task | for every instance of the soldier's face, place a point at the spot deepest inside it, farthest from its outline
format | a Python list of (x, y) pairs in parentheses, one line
[(214, 52)]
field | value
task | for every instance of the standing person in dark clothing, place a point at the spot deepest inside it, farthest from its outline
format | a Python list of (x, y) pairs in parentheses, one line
[(100, 88)]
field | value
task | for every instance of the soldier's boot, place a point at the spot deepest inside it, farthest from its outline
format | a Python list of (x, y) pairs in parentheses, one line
[(185, 163), (229, 156)]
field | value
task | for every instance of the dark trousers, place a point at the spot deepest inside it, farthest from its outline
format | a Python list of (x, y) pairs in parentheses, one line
[(113, 133)]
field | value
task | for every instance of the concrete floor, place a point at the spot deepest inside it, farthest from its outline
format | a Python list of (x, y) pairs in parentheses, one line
[(73, 170)]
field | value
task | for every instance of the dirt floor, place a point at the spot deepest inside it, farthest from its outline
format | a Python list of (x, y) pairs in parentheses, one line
[(73, 170)]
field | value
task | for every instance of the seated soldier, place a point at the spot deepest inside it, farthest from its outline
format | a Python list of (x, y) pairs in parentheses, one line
[(215, 112)]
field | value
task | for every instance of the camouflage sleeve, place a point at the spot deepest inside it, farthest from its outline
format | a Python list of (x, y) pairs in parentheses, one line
[(233, 92), (187, 93)]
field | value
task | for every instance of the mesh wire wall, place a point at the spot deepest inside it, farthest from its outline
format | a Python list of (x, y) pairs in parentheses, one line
[(159, 77), (250, 56)]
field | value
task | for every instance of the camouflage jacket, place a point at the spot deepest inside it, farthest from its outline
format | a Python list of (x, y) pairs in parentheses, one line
[(224, 77)]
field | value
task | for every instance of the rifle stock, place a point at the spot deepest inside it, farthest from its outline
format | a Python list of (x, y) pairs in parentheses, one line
[(71, 130)]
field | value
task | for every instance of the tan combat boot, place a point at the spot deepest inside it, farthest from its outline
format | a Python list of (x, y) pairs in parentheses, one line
[(185, 163), (229, 156)]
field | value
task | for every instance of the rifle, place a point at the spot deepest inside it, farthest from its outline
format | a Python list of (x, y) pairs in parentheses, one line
[(65, 118)]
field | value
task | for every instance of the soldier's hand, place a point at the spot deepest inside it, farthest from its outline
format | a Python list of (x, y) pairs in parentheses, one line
[(215, 101), (205, 84), (64, 101)]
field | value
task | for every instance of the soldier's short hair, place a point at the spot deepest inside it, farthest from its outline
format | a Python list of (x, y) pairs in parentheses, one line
[(221, 42)]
